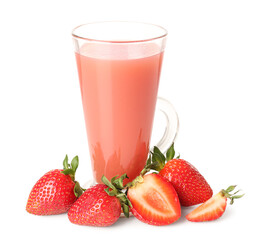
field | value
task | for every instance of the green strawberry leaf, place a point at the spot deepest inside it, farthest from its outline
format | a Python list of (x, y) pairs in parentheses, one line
[(157, 162), (170, 152), (160, 154), (68, 172), (74, 163), (118, 183), (230, 188), (238, 196), (107, 182), (149, 160), (78, 191), (125, 209), (110, 193), (156, 158), (65, 163)]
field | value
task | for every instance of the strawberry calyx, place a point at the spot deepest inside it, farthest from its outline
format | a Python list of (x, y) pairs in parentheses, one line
[(232, 196), (157, 160), (116, 188), (70, 169)]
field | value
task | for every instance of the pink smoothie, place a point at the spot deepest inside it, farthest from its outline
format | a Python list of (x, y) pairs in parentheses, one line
[(119, 97)]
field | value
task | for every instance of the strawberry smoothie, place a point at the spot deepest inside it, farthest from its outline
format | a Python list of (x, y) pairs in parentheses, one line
[(119, 91)]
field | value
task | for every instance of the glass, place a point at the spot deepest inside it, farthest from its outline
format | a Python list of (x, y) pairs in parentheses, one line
[(119, 66)]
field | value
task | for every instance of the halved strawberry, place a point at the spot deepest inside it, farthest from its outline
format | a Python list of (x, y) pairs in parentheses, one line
[(214, 207), (154, 200)]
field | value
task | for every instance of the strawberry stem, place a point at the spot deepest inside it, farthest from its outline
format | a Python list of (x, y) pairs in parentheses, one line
[(138, 179)]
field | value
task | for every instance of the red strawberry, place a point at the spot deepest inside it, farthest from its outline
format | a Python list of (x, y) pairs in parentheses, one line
[(101, 205), (191, 186), (56, 191), (154, 200), (95, 208), (214, 207)]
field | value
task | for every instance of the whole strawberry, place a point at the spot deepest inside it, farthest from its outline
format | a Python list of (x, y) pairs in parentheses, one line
[(95, 208), (100, 205), (191, 186), (55, 191)]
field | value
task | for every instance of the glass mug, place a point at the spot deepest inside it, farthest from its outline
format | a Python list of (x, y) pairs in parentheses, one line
[(119, 66)]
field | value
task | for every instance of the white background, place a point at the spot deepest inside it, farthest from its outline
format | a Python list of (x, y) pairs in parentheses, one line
[(213, 73)]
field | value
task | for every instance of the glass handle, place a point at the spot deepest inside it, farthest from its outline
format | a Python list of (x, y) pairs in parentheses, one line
[(172, 121)]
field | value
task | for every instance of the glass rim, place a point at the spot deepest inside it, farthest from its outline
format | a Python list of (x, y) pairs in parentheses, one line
[(165, 33)]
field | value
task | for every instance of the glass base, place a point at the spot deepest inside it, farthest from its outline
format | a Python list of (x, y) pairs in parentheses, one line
[(89, 183)]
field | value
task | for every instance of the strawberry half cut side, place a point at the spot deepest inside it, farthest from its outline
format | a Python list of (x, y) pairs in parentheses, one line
[(154, 200), (214, 207)]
